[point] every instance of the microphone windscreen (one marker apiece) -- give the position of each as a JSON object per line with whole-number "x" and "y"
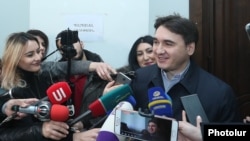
{"x": 59, "y": 92}
{"x": 131, "y": 100}
{"x": 107, "y": 130}
{"x": 107, "y": 136}
{"x": 59, "y": 112}
{"x": 110, "y": 100}
{"x": 159, "y": 102}
{"x": 97, "y": 109}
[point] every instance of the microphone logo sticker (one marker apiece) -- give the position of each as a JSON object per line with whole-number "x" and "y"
{"x": 156, "y": 93}
{"x": 59, "y": 94}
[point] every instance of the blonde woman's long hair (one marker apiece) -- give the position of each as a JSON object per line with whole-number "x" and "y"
{"x": 14, "y": 48}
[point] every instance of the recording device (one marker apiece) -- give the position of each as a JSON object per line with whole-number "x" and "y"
{"x": 59, "y": 92}
{"x": 121, "y": 78}
{"x": 105, "y": 103}
{"x": 247, "y": 28}
{"x": 45, "y": 111}
{"x": 160, "y": 103}
{"x": 167, "y": 129}
{"x": 193, "y": 108}
{"x": 107, "y": 130}
{"x": 68, "y": 38}
{"x": 130, "y": 100}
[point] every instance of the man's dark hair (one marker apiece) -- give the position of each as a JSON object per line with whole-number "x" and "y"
{"x": 67, "y": 37}
{"x": 179, "y": 25}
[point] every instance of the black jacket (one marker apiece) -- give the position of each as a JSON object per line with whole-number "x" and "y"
{"x": 217, "y": 97}
{"x": 30, "y": 128}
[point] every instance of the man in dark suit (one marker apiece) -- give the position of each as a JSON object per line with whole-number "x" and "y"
{"x": 174, "y": 43}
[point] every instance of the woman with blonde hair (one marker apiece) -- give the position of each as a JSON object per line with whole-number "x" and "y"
{"x": 21, "y": 67}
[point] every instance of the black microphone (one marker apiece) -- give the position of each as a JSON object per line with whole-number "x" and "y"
{"x": 247, "y": 28}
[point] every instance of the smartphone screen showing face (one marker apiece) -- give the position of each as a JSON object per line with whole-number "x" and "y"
{"x": 132, "y": 124}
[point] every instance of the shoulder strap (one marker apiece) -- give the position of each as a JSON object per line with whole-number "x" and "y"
{"x": 193, "y": 108}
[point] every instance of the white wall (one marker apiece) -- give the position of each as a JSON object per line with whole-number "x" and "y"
{"x": 14, "y": 16}
{"x": 123, "y": 21}
{"x": 165, "y": 7}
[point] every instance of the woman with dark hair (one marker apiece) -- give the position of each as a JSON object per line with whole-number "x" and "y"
{"x": 140, "y": 55}
{"x": 42, "y": 39}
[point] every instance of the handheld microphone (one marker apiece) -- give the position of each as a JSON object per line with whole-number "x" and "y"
{"x": 107, "y": 130}
{"x": 130, "y": 99}
{"x": 45, "y": 111}
{"x": 105, "y": 103}
{"x": 247, "y": 28}
{"x": 160, "y": 103}
{"x": 57, "y": 93}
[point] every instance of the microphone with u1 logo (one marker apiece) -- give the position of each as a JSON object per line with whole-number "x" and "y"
{"x": 57, "y": 93}
{"x": 44, "y": 109}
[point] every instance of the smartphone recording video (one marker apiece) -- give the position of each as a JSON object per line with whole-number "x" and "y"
{"x": 131, "y": 124}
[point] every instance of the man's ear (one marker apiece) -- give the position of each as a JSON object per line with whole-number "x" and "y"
{"x": 191, "y": 48}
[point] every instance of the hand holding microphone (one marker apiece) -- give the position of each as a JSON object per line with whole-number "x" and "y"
{"x": 107, "y": 102}
{"x": 44, "y": 111}
{"x": 57, "y": 94}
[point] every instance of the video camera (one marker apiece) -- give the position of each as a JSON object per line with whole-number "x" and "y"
{"x": 68, "y": 38}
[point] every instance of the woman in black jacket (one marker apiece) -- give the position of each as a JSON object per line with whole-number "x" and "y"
{"x": 21, "y": 67}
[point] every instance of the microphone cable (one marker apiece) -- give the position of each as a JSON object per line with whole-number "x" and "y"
{"x": 9, "y": 118}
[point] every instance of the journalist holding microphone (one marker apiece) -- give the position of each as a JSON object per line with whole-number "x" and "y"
{"x": 21, "y": 67}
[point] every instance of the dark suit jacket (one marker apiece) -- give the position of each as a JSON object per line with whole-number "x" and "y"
{"x": 217, "y": 97}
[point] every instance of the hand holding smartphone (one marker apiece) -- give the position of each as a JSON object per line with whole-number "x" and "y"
{"x": 122, "y": 79}
{"x": 131, "y": 124}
